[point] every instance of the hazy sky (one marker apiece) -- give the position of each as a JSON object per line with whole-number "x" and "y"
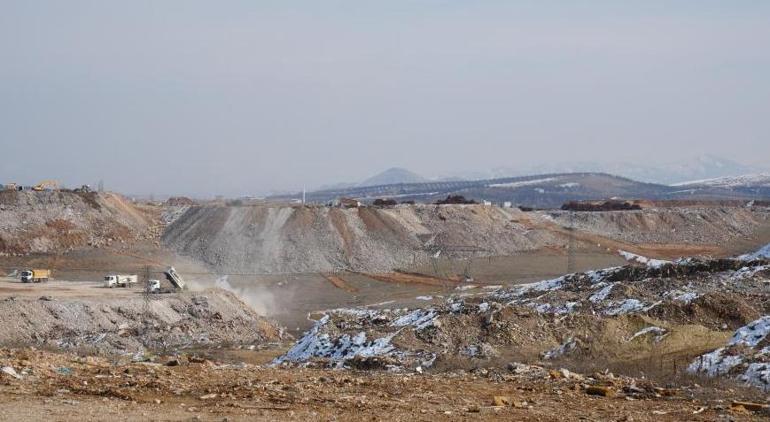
{"x": 204, "y": 97}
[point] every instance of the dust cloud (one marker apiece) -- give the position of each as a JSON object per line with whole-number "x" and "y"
{"x": 257, "y": 297}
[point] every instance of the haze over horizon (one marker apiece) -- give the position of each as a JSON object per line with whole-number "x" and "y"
{"x": 203, "y": 98}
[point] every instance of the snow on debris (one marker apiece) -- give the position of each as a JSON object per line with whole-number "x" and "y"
{"x": 419, "y": 319}
{"x": 565, "y": 348}
{"x": 601, "y": 294}
{"x": 740, "y": 358}
{"x": 686, "y": 297}
{"x": 649, "y": 262}
{"x": 659, "y": 333}
{"x": 321, "y": 342}
{"x": 625, "y": 307}
{"x": 424, "y": 298}
{"x": 751, "y": 334}
{"x": 764, "y": 252}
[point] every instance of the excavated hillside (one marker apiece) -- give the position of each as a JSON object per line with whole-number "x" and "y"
{"x": 59, "y": 221}
{"x": 319, "y": 239}
{"x": 304, "y": 239}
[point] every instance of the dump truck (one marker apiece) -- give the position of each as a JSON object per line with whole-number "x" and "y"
{"x": 35, "y": 276}
{"x": 120, "y": 280}
{"x": 174, "y": 278}
{"x": 153, "y": 286}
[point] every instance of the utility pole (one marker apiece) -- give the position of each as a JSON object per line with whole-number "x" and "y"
{"x": 571, "y": 265}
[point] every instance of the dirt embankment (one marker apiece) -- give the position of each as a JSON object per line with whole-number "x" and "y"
{"x": 303, "y": 239}
{"x": 54, "y": 222}
{"x": 259, "y": 239}
{"x": 129, "y": 325}
{"x": 686, "y": 225}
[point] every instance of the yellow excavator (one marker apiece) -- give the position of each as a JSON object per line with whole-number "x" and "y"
{"x": 46, "y": 185}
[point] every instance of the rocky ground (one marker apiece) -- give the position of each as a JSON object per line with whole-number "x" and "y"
{"x": 37, "y": 385}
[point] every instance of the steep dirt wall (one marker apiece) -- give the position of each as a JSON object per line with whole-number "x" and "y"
{"x": 47, "y": 222}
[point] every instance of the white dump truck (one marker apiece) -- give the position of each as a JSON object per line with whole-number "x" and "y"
{"x": 153, "y": 286}
{"x": 120, "y": 280}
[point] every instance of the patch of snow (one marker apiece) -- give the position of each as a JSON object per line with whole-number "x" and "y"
{"x": 540, "y": 286}
{"x": 757, "y": 374}
{"x": 483, "y": 307}
{"x": 626, "y": 307}
{"x": 419, "y": 319}
{"x": 466, "y": 287}
{"x": 748, "y": 272}
{"x": 547, "y": 308}
{"x": 524, "y": 183}
{"x": 763, "y": 252}
{"x": 686, "y": 297}
{"x": 601, "y": 294}
{"x": 568, "y": 346}
{"x": 660, "y": 332}
{"x": 424, "y": 298}
{"x": 714, "y": 363}
{"x": 751, "y": 334}
{"x": 569, "y": 185}
{"x": 649, "y": 262}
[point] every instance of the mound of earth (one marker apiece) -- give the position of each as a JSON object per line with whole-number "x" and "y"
{"x": 133, "y": 325}
{"x": 621, "y": 314}
{"x": 321, "y": 239}
{"x": 684, "y": 225}
{"x": 59, "y": 221}
{"x": 265, "y": 239}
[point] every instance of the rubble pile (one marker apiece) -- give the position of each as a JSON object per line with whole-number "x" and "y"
{"x": 136, "y": 325}
{"x": 746, "y": 357}
{"x": 683, "y": 225}
{"x": 594, "y": 314}
{"x": 53, "y": 221}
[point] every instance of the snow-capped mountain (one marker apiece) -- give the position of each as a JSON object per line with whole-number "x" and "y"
{"x": 760, "y": 180}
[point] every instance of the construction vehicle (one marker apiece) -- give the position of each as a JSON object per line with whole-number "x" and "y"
{"x": 174, "y": 278}
{"x": 46, "y": 185}
{"x": 120, "y": 280}
{"x": 153, "y": 286}
{"x": 35, "y": 276}
{"x": 12, "y": 186}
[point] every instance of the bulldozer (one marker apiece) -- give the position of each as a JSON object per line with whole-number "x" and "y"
{"x": 46, "y": 185}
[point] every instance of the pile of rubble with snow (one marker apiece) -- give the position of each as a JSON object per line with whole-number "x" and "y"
{"x": 746, "y": 357}
{"x": 540, "y": 319}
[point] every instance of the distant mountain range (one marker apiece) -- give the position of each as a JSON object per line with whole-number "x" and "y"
{"x": 393, "y": 176}
{"x": 539, "y": 191}
{"x": 666, "y": 173}
{"x": 704, "y": 167}
{"x": 760, "y": 180}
